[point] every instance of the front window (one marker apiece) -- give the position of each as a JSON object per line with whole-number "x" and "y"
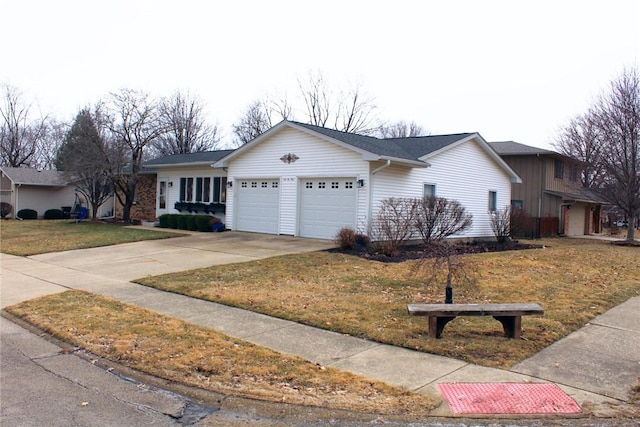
{"x": 220, "y": 189}
{"x": 559, "y": 169}
{"x": 573, "y": 173}
{"x": 186, "y": 189}
{"x": 204, "y": 189}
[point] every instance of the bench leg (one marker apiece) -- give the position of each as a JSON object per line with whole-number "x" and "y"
{"x": 436, "y": 325}
{"x": 512, "y": 325}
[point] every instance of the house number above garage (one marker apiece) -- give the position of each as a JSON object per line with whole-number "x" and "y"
{"x": 289, "y": 158}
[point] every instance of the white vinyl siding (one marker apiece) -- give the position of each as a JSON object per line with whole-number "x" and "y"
{"x": 464, "y": 173}
{"x": 317, "y": 158}
{"x": 42, "y": 198}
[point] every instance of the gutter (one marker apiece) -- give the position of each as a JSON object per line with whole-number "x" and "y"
{"x": 371, "y": 174}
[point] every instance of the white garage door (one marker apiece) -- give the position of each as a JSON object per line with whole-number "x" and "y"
{"x": 326, "y": 206}
{"x": 257, "y": 202}
{"x": 576, "y": 220}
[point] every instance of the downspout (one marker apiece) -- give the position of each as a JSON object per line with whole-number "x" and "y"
{"x": 373, "y": 172}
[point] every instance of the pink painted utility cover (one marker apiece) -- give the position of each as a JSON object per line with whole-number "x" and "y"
{"x": 507, "y": 398}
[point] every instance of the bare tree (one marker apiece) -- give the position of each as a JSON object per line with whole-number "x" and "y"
{"x": 317, "y": 98}
{"x": 355, "y": 111}
{"x": 255, "y": 121}
{"x": 188, "y": 131}
{"x": 580, "y": 140}
{"x": 20, "y": 133}
{"x": 278, "y": 109}
{"x": 83, "y": 159}
{"x": 401, "y": 129}
{"x": 50, "y": 144}
{"x": 617, "y": 117}
{"x": 349, "y": 110}
{"x": 436, "y": 219}
{"x": 135, "y": 124}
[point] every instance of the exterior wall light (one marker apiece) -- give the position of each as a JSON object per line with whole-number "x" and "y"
{"x": 229, "y": 184}
{"x": 360, "y": 183}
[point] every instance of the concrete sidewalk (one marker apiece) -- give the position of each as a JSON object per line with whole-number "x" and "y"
{"x": 596, "y": 365}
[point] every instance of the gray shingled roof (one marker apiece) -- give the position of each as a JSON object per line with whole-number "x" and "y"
{"x": 411, "y": 148}
{"x": 204, "y": 157}
{"x": 28, "y": 176}
{"x": 511, "y": 148}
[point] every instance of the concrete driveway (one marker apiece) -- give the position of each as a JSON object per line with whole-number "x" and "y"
{"x": 129, "y": 261}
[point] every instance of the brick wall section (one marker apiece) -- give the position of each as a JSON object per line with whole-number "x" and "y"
{"x": 145, "y": 207}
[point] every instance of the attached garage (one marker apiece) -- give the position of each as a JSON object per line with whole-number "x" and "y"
{"x": 326, "y": 206}
{"x": 322, "y": 180}
{"x": 577, "y": 216}
{"x": 258, "y": 205}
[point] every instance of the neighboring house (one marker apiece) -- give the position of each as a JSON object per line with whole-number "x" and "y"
{"x": 551, "y": 190}
{"x": 303, "y": 180}
{"x": 40, "y": 190}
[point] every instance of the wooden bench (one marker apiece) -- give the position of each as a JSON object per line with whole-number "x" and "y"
{"x": 508, "y": 314}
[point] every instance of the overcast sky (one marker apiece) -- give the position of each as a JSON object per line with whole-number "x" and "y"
{"x": 510, "y": 70}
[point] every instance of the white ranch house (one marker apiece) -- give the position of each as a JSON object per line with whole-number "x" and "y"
{"x": 304, "y": 180}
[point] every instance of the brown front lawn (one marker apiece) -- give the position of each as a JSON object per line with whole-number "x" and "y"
{"x": 32, "y": 237}
{"x": 178, "y": 351}
{"x": 573, "y": 279}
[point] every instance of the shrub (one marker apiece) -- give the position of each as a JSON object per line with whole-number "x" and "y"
{"x": 392, "y": 226}
{"x": 173, "y": 220}
{"x": 501, "y": 224}
{"x": 362, "y": 239}
{"x": 27, "y": 214}
{"x": 53, "y": 214}
{"x": 346, "y": 238}
{"x": 163, "y": 221}
{"x": 183, "y": 222}
{"x": 191, "y": 223}
{"x": 202, "y": 223}
{"x": 5, "y": 209}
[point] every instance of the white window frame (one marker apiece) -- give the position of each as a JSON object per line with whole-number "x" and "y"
{"x": 424, "y": 190}
{"x": 493, "y": 201}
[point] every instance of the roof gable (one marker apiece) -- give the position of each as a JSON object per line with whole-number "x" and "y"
{"x": 411, "y": 151}
{"x": 403, "y": 150}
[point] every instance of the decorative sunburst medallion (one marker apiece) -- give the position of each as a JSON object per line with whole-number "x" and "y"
{"x": 289, "y": 158}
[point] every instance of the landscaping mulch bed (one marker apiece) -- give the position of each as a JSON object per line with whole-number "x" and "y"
{"x": 416, "y": 251}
